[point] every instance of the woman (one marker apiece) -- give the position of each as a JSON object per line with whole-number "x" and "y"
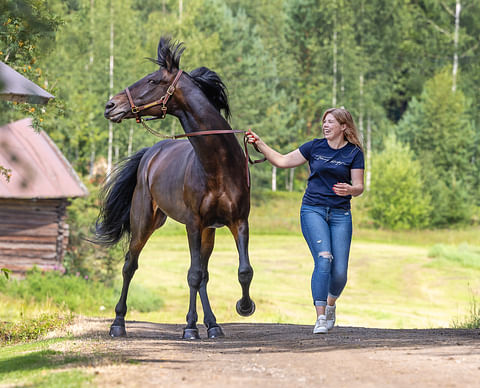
{"x": 336, "y": 174}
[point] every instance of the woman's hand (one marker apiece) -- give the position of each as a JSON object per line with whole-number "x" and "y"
{"x": 252, "y": 137}
{"x": 342, "y": 189}
{"x": 292, "y": 159}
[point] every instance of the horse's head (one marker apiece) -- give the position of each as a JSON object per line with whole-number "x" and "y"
{"x": 150, "y": 88}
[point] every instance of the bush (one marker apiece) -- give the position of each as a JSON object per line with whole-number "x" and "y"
{"x": 396, "y": 199}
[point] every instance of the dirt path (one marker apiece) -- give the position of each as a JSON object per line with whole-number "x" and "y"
{"x": 280, "y": 355}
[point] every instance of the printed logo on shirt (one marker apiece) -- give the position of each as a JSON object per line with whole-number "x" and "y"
{"x": 328, "y": 160}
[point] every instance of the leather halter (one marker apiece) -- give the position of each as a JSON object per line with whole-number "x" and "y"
{"x": 162, "y": 101}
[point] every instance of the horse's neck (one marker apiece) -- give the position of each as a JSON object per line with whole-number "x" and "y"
{"x": 215, "y": 152}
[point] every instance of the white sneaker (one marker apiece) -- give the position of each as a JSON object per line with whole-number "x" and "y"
{"x": 330, "y": 316}
{"x": 320, "y": 325}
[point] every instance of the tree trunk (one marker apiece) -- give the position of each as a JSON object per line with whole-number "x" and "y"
{"x": 130, "y": 141}
{"x": 274, "y": 178}
{"x": 110, "y": 126}
{"x": 334, "y": 84}
{"x": 369, "y": 155}
{"x": 291, "y": 173}
{"x": 360, "y": 103}
{"x": 458, "y": 8}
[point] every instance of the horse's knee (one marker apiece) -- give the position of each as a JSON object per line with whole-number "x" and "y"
{"x": 130, "y": 266}
{"x": 194, "y": 278}
{"x": 245, "y": 274}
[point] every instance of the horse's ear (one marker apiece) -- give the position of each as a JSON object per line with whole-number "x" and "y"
{"x": 168, "y": 54}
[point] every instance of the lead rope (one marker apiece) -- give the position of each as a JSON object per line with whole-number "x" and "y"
{"x": 213, "y": 132}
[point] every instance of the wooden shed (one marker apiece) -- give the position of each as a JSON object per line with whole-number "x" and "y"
{"x": 33, "y": 228}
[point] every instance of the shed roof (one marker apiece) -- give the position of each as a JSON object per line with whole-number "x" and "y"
{"x": 39, "y": 170}
{"x": 15, "y": 87}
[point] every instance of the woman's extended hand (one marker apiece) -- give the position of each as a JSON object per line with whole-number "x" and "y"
{"x": 342, "y": 189}
{"x": 252, "y": 137}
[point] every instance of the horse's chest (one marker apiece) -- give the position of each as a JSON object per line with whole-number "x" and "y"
{"x": 218, "y": 210}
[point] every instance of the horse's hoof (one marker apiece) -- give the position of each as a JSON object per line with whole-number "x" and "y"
{"x": 117, "y": 331}
{"x": 215, "y": 332}
{"x": 245, "y": 312}
{"x": 190, "y": 334}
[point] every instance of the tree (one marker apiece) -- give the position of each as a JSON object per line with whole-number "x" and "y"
{"x": 438, "y": 130}
{"x": 396, "y": 199}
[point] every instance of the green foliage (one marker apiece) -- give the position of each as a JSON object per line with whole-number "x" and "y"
{"x": 32, "y": 329}
{"x": 472, "y": 321}
{"x": 6, "y": 272}
{"x": 437, "y": 128}
{"x": 396, "y": 198}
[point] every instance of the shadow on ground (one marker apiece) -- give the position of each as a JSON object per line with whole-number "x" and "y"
{"x": 271, "y": 337}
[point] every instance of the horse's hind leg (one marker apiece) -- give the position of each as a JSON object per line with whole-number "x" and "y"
{"x": 143, "y": 223}
{"x": 208, "y": 240}
{"x": 245, "y": 306}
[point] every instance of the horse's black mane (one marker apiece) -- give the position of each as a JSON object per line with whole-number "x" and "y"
{"x": 168, "y": 57}
{"x": 213, "y": 87}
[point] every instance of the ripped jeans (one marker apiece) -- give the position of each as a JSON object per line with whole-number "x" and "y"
{"x": 328, "y": 232}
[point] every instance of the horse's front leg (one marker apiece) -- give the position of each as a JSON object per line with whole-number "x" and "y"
{"x": 245, "y": 306}
{"x": 208, "y": 241}
{"x": 194, "y": 279}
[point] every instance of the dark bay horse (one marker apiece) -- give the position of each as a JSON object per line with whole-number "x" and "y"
{"x": 200, "y": 182}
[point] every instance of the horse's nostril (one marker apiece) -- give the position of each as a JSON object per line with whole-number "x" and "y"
{"x": 110, "y": 105}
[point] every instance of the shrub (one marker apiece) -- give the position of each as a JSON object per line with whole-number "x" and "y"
{"x": 396, "y": 199}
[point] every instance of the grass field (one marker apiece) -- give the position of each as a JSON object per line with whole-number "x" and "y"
{"x": 393, "y": 281}
{"x": 390, "y": 285}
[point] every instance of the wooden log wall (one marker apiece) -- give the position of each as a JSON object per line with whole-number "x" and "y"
{"x": 32, "y": 232}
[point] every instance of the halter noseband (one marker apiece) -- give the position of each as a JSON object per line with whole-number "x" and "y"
{"x": 162, "y": 101}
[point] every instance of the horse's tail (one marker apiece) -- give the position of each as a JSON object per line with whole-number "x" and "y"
{"x": 116, "y": 197}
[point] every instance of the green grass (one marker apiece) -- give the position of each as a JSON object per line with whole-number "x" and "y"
{"x": 390, "y": 286}
{"x": 38, "y": 365}
{"x": 56, "y": 293}
{"x": 31, "y": 329}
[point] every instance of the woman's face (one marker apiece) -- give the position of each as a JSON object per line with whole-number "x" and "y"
{"x": 332, "y": 129}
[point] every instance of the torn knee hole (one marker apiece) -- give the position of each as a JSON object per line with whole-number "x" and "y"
{"x": 326, "y": 255}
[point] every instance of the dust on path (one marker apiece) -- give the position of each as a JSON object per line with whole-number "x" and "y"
{"x": 279, "y": 355}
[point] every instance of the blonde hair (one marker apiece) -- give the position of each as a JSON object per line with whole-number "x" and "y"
{"x": 343, "y": 116}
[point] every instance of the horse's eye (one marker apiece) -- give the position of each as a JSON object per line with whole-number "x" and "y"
{"x": 152, "y": 81}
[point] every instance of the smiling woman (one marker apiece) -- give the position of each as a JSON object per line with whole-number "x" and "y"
{"x": 336, "y": 174}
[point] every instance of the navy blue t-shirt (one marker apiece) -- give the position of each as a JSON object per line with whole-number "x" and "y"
{"x": 327, "y": 167}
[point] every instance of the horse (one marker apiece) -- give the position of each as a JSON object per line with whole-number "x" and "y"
{"x": 201, "y": 182}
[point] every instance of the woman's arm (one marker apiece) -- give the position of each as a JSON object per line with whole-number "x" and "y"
{"x": 355, "y": 189}
{"x": 292, "y": 159}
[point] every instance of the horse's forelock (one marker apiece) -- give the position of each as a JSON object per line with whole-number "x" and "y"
{"x": 169, "y": 53}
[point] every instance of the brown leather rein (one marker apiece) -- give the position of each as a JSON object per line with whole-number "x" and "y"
{"x": 163, "y": 102}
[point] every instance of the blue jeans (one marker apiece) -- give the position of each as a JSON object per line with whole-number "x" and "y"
{"x": 328, "y": 232}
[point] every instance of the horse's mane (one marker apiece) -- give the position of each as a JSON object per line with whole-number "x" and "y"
{"x": 213, "y": 87}
{"x": 168, "y": 57}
